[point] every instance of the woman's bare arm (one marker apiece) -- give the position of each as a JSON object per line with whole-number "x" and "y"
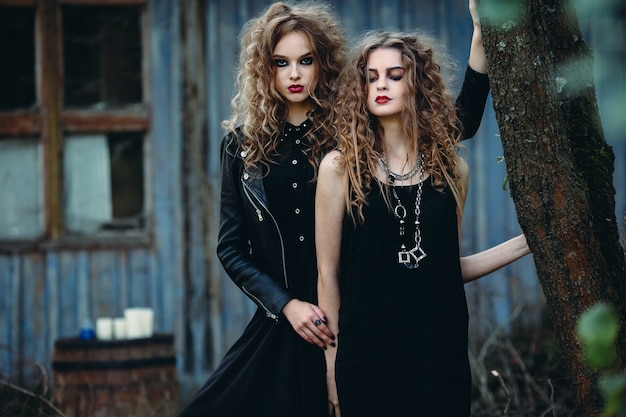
{"x": 482, "y": 263}
{"x": 329, "y": 213}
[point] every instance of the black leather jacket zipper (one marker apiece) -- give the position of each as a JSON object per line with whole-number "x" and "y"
{"x": 268, "y": 313}
{"x": 248, "y": 191}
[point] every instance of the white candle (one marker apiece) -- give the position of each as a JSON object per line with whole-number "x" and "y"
{"x": 104, "y": 328}
{"x": 133, "y": 323}
{"x": 139, "y": 322}
{"x": 147, "y": 322}
{"x": 119, "y": 328}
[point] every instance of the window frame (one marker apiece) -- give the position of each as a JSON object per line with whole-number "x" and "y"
{"x": 50, "y": 122}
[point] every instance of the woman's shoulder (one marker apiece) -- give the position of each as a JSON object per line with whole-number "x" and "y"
{"x": 462, "y": 166}
{"x": 332, "y": 158}
{"x": 331, "y": 166}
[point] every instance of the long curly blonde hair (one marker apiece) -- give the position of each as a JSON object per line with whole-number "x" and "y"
{"x": 430, "y": 121}
{"x": 259, "y": 110}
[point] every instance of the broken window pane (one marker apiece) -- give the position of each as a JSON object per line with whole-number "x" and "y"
{"x": 102, "y": 56}
{"x": 87, "y": 183}
{"x": 104, "y": 182}
{"x": 17, "y": 53}
{"x": 22, "y": 201}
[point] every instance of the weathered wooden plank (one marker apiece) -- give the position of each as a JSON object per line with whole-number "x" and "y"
{"x": 158, "y": 297}
{"x": 104, "y": 279}
{"x": 9, "y": 324}
{"x": 30, "y": 312}
{"x": 138, "y": 280}
{"x": 131, "y": 120}
{"x": 36, "y": 303}
{"x": 104, "y": 2}
{"x": 215, "y": 132}
{"x": 67, "y": 293}
{"x": 15, "y": 320}
{"x": 195, "y": 192}
{"x": 20, "y": 124}
{"x": 48, "y": 31}
{"x": 52, "y": 295}
{"x": 83, "y": 300}
{"x": 165, "y": 164}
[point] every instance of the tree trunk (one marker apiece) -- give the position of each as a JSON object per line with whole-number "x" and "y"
{"x": 559, "y": 167}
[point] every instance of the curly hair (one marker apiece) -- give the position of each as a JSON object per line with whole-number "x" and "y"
{"x": 258, "y": 109}
{"x": 430, "y": 118}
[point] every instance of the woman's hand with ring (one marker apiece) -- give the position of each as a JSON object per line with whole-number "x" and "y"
{"x": 309, "y": 321}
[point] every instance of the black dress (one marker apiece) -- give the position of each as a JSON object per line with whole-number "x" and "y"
{"x": 270, "y": 371}
{"x": 402, "y": 347}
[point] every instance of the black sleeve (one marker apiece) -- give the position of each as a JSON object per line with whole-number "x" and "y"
{"x": 470, "y": 104}
{"x": 233, "y": 249}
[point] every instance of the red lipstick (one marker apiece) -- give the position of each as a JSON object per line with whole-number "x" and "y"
{"x": 296, "y": 88}
{"x": 382, "y": 99}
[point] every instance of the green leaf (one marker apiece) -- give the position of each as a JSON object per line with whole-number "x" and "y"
{"x": 597, "y": 329}
{"x": 600, "y": 356}
{"x": 613, "y": 388}
{"x": 598, "y": 324}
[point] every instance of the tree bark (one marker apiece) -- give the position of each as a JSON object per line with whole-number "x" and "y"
{"x": 559, "y": 166}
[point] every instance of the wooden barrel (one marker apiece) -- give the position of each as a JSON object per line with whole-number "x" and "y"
{"x": 130, "y": 378}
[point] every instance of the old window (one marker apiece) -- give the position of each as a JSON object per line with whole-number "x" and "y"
{"x": 101, "y": 56}
{"x": 21, "y": 204}
{"x": 17, "y": 49}
{"x": 73, "y": 120}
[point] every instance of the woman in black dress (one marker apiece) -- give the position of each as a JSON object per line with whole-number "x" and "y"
{"x": 282, "y": 125}
{"x": 388, "y": 209}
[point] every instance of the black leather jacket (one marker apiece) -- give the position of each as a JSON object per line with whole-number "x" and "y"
{"x": 250, "y": 243}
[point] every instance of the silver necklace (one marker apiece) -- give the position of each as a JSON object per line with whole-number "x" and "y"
{"x": 392, "y": 176}
{"x": 410, "y": 258}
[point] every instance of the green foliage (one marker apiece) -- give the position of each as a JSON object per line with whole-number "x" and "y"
{"x": 503, "y": 13}
{"x": 613, "y": 388}
{"x": 597, "y": 329}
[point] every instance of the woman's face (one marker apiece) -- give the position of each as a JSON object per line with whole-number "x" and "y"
{"x": 294, "y": 69}
{"x": 386, "y": 86}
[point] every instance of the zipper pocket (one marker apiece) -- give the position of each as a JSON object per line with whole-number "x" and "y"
{"x": 258, "y": 211}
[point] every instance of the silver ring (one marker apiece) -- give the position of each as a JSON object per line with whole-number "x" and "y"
{"x": 317, "y": 322}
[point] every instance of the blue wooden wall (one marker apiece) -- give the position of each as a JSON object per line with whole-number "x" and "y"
{"x": 45, "y": 293}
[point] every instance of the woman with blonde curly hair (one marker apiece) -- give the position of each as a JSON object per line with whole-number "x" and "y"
{"x": 388, "y": 213}
{"x": 282, "y": 124}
